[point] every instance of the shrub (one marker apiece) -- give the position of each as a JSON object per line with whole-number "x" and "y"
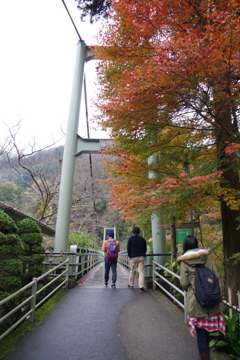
{"x": 11, "y": 250}
{"x": 14, "y": 272}
{"x": 32, "y": 238}
{"x": 36, "y": 270}
{"x": 12, "y": 302}
{"x": 2, "y": 238}
{"x": 230, "y": 342}
{"x": 25, "y": 260}
{"x": 26, "y": 248}
{"x": 5, "y": 249}
{"x": 38, "y": 249}
{"x": 9, "y": 282}
{"x": 7, "y": 225}
{"x": 38, "y": 258}
{"x": 11, "y": 267}
{"x": 13, "y": 239}
{"x": 27, "y": 226}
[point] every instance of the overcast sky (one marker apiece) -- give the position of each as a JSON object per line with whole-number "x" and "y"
{"x": 38, "y": 48}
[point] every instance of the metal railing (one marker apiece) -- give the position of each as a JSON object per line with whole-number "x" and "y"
{"x": 124, "y": 260}
{"x": 71, "y": 264}
{"x": 31, "y": 301}
{"x": 81, "y": 260}
{"x": 77, "y": 264}
{"x": 156, "y": 267}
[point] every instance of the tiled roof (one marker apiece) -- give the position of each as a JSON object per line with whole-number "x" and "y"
{"x": 18, "y": 215}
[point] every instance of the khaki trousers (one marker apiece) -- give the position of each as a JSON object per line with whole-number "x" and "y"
{"x": 135, "y": 263}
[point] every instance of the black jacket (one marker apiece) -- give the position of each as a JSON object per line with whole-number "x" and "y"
{"x": 136, "y": 246}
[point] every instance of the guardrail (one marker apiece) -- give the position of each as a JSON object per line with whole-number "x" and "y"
{"x": 157, "y": 266}
{"x": 123, "y": 259}
{"x": 81, "y": 260}
{"x": 76, "y": 264}
{"x": 33, "y": 298}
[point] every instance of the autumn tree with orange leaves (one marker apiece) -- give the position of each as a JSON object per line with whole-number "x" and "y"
{"x": 169, "y": 80}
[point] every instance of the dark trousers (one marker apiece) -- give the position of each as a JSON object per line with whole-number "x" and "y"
{"x": 203, "y": 340}
{"x": 113, "y": 265}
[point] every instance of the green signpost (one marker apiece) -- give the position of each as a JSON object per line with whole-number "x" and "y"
{"x": 181, "y": 234}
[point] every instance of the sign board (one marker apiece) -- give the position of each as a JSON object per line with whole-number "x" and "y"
{"x": 181, "y": 234}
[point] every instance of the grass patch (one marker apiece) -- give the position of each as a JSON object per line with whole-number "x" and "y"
{"x": 10, "y": 342}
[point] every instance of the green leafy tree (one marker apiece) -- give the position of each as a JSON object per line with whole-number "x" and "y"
{"x": 81, "y": 240}
{"x": 9, "y": 191}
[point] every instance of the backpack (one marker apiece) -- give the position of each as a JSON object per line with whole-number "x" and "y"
{"x": 112, "y": 251}
{"x": 207, "y": 289}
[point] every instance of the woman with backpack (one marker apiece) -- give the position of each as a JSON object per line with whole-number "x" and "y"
{"x": 205, "y": 318}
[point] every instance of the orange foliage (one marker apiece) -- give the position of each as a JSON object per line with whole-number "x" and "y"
{"x": 167, "y": 71}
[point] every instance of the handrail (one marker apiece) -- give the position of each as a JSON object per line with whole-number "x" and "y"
{"x": 86, "y": 259}
{"x": 124, "y": 259}
{"x": 94, "y": 257}
{"x": 183, "y": 305}
{"x": 156, "y": 265}
{"x": 33, "y": 298}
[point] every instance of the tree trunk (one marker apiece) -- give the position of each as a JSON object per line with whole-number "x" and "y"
{"x": 231, "y": 245}
{"x": 225, "y": 131}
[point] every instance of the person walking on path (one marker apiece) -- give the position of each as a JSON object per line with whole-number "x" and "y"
{"x": 205, "y": 319}
{"x": 136, "y": 248}
{"x": 111, "y": 248}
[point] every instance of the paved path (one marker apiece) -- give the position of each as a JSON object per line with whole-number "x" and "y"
{"x": 97, "y": 323}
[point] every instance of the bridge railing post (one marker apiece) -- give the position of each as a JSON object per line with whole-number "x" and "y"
{"x": 33, "y": 301}
{"x": 185, "y": 306}
{"x": 154, "y": 275}
{"x": 67, "y": 274}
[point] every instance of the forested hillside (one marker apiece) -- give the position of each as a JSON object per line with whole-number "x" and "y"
{"x": 31, "y": 184}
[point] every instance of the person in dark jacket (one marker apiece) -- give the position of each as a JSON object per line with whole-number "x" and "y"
{"x": 136, "y": 248}
{"x": 205, "y": 319}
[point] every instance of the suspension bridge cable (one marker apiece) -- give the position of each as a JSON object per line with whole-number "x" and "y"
{"x": 88, "y": 134}
{"x": 79, "y": 36}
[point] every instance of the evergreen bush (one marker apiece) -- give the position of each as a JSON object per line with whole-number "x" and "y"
{"x": 33, "y": 253}
{"x": 10, "y": 282}
{"x": 2, "y": 238}
{"x": 11, "y": 245}
{"x": 11, "y": 250}
{"x": 28, "y": 226}
{"x": 32, "y": 239}
{"x": 21, "y": 259}
{"x": 12, "y": 239}
{"x": 7, "y": 225}
{"x": 11, "y": 303}
{"x": 11, "y": 267}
